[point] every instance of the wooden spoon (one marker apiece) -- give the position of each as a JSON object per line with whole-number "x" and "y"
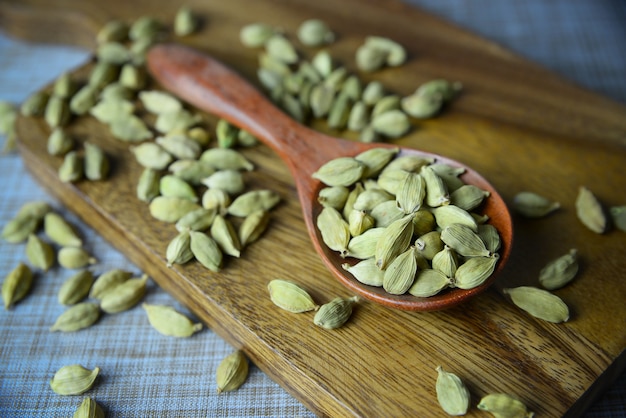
{"x": 209, "y": 85}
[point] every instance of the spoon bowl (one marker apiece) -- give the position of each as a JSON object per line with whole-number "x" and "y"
{"x": 209, "y": 85}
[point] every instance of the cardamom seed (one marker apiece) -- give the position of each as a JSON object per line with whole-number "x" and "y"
{"x": 366, "y": 272}
{"x": 223, "y": 232}
{"x": 75, "y": 288}
{"x": 39, "y": 253}
{"x": 428, "y": 282}
{"x": 560, "y": 271}
{"x": 503, "y": 405}
{"x": 452, "y": 394}
{"x": 315, "y": 32}
{"x": 171, "y": 209}
{"x": 232, "y": 372}
{"x": 342, "y": 171}
{"x": 400, "y": 273}
{"x": 80, "y": 316}
{"x": 170, "y": 322}
{"x": 88, "y": 409}
{"x": 16, "y": 285}
{"x": 255, "y": 35}
{"x": 395, "y": 240}
{"x": 334, "y": 229}
{"x": 475, "y": 271}
{"x": 124, "y": 296}
{"x": 253, "y": 227}
{"x": 533, "y": 205}
{"x": 290, "y": 296}
{"x": 206, "y": 250}
{"x": 60, "y": 231}
{"x": 539, "y": 303}
{"x": 107, "y": 281}
{"x": 179, "y": 249}
{"x": 590, "y": 211}
{"x": 74, "y": 258}
{"x": 335, "y": 313}
{"x": 73, "y": 379}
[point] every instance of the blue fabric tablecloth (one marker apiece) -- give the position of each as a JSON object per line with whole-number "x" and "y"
{"x": 145, "y": 374}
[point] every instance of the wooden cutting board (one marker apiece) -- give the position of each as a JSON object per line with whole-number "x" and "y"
{"x": 520, "y": 126}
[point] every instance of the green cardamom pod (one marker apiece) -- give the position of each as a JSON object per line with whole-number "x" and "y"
{"x": 180, "y": 146}
{"x": 57, "y": 112}
{"x": 25, "y": 222}
{"x": 428, "y": 282}
{"x": 359, "y": 221}
{"x": 503, "y": 405}
{"x": 111, "y": 110}
{"x": 96, "y": 162}
{"x": 396, "y": 53}
{"x": 102, "y": 74}
{"x": 366, "y": 272}
{"x": 363, "y": 246}
{"x": 113, "y": 30}
{"x": 255, "y": 35}
{"x": 369, "y": 199}
{"x": 369, "y": 58}
{"x": 335, "y": 313}
{"x": 423, "y": 222}
{"x": 539, "y": 303}
{"x": 475, "y": 271}
{"x": 116, "y": 91}
{"x": 339, "y": 112}
{"x": 352, "y": 197}
{"x": 216, "y": 199}
{"x": 452, "y": 394}
{"x": 170, "y": 208}
{"x": 290, "y": 296}
{"x": 232, "y": 372}
{"x": 468, "y": 197}
{"x": 64, "y": 87}
{"x": 206, "y": 250}
{"x": 436, "y": 190}
{"x": 59, "y": 142}
{"x": 422, "y": 106}
{"x": 394, "y": 241}
{"x": 533, "y": 205}
{"x": 72, "y": 168}
{"x": 16, "y": 285}
{"x": 359, "y": 117}
{"x": 145, "y": 27}
{"x": 35, "y": 104}
{"x": 192, "y": 171}
{"x": 315, "y": 32}
{"x": 60, "y": 231}
{"x": 39, "y": 253}
{"x": 411, "y": 195}
{"x": 392, "y": 123}
{"x": 410, "y": 163}
{"x": 280, "y": 48}
{"x": 107, "y": 281}
{"x": 148, "y": 185}
{"x": 253, "y": 201}
{"x": 173, "y": 186}
{"x": 385, "y": 104}
{"x": 343, "y": 171}
{"x": 489, "y": 235}
{"x": 75, "y": 288}
{"x": 179, "y": 249}
{"x": 334, "y": 196}
{"x": 152, "y": 155}
{"x": 253, "y": 227}
{"x": 446, "y": 261}
{"x": 560, "y": 271}
{"x": 590, "y": 211}
{"x": 185, "y": 22}
{"x": 124, "y": 296}
{"x": 88, "y": 409}
{"x": 451, "y": 214}
{"x": 429, "y": 244}
{"x": 74, "y": 258}
{"x": 83, "y": 100}
{"x": 226, "y": 134}
{"x": 73, "y": 379}
{"x": 334, "y": 229}
{"x": 196, "y": 220}
{"x": 400, "y": 273}
{"x": 113, "y": 52}
{"x": 170, "y": 322}
{"x": 155, "y": 101}
{"x": 77, "y": 317}
{"x": 231, "y": 181}
{"x": 463, "y": 240}
{"x": 224, "y": 233}
{"x": 618, "y": 214}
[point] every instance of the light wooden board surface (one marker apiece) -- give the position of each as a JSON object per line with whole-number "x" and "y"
{"x": 518, "y": 125}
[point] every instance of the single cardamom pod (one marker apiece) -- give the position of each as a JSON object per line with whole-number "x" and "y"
{"x": 475, "y": 271}
{"x": 231, "y": 181}
{"x": 171, "y": 209}
{"x": 396, "y": 54}
{"x": 88, "y": 409}
{"x": 180, "y": 146}
{"x": 400, "y": 273}
{"x": 224, "y": 233}
{"x": 335, "y": 313}
{"x": 423, "y": 222}
{"x": 359, "y": 221}
{"x": 290, "y": 296}
{"x": 246, "y": 139}
{"x": 57, "y": 112}
{"x": 429, "y": 244}
{"x": 533, "y": 205}
{"x": 253, "y": 227}
{"x": 148, "y": 185}
{"x": 366, "y": 272}
{"x": 39, "y": 253}
{"x": 452, "y": 393}
{"x": 539, "y": 303}
{"x": 428, "y": 282}
{"x": 410, "y": 163}
{"x": 75, "y": 288}
{"x": 196, "y": 220}
{"x": 35, "y": 104}
{"x": 124, "y": 296}
{"x": 334, "y": 229}
{"x": 590, "y": 211}
{"x": 359, "y": 116}
{"x": 179, "y": 249}
{"x": 370, "y": 59}
{"x": 387, "y": 212}
{"x": 364, "y": 246}
{"x": 152, "y": 155}
{"x": 489, "y": 235}
{"x": 446, "y": 89}
{"x": 59, "y": 142}
{"x": 226, "y": 134}
{"x": 102, "y": 74}
{"x": 116, "y": 91}
{"x": 77, "y": 317}
{"x": 560, "y": 271}
{"x": 334, "y": 196}
{"x": 96, "y": 162}
{"x": 206, "y": 250}
{"x": 145, "y": 27}
{"x": 323, "y": 63}
{"x": 73, "y": 379}
{"x": 446, "y": 261}
{"x": 60, "y": 231}
{"x": 503, "y": 405}
{"x": 315, "y": 32}
{"x": 451, "y": 214}
{"x": 618, "y": 214}
{"x": 352, "y": 197}
{"x": 232, "y": 372}
{"x": 411, "y": 195}
{"x": 16, "y": 285}
{"x": 394, "y": 241}
{"x": 74, "y": 258}
{"x": 83, "y": 100}
{"x": 112, "y": 109}
{"x": 280, "y": 48}
{"x": 113, "y": 52}
{"x": 107, "y": 281}
{"x": 71, "y": 168}
{"x": 173, "y": 186}
{"x": 392, "y": 124}
{"x": 185, "y": 22}
{"x": 155, "y": 101}
{"x": 253, "y": 201}
{"x": 192, "y": 171}
{"x": 170, "y": 322}
{"x": 255, "y": 35}
{"x": 369, "y": 199}
{"x": 463, "y": 240}
{"x": 200, "y": 135}
{"x": 422, "y": 106}
{"x": 20, "y": 227}
{"x": 468, "y": 197}
{"x": 436, "y": 190}
{"x": 385, "y": 104}
{"x": 343, "y": 171}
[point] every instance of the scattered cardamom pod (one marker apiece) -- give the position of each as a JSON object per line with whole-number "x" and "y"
{"x": 152, "y": 155}
{"x": 72, "y": 168}
{"x": 255, "y": 35}
{"x": 80, "y": 316}
{"x": 73, "y": 379}
{"x": 253, "y": 226}
{"x": 60, "y": 231}
{"x": 179, "y": 249}
{"x": 16, "y": 285}
{"x": 618, "y": 214}
{"x": 74, "y": 258}
{"x": 197, "y": 220}
{"x": 25, "y": 222}
{"x": 59, "y": 142}
{"x": 539, "y": 303}
{"x": 96, "y": 162}
{"x": 253, "y": 201}
{"x": 560, "y": 271}
{"x": 170, "y": 208}
{"x": 39, "y": 253}
{"x": 170, "y": 322}
{"x": 315, "y": 32}
{"x": 533, "y": 205}
{"x": 232, "y": 372}
{"x": 88, "y": 409}
{"x": 335, "y": 313}
{"x": 206, "y": 250}
{"x": 502, "y": 405}
{"x": 590, "y": 211}
{"x": 35, "y": 104}
{"x": 107, "y": 281}
{"x": 452, "y": 393}
{"x": 290, "y": 296}
{"x": 75, "y": 288}
{"x": 185, "y": 22}
{"x": 124, "y": 296}
{"x": 148, "y": 185}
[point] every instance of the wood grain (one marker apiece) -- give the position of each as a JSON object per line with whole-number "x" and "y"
{"x": 520, "y": 126}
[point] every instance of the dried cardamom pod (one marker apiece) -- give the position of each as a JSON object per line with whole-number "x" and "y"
{"x": 196, "y": 220}
{"x": 323, "y": 63}
{"x": 400, "y": 273}
{"x": 59, "y": 142}
{"x": 334, "y": 196}
{"x": 590, "y": 211}
{"x": 429, "y": 244}
{"x": 280, "y": 48}
{"x": 226, "y": 159}
{"x": 369, "y": 199}
{"x": 436, "y": 190}
{"x": 422, "y": 106}
{"x": 113, "y": 52}
{"x": 468, "y": 197}
{"x": 75, "y": 288}
{"x": 185, "y": 22}
{"x": 155, "y": 101}
{"x": 192, "y": 171}
{"x": 206, "y": 250}
{"x": 339, "y": 112}
{"x": 179, "y": 249}
{"x": 539, "y": 303}
{"x": 451, "y": 214}
{"x": 74, "y": 258}
{"x": 253, "y": 201}
{"x": 73, "y": 379}
{"x": 88, "y": 409}
{"x": 35, "y": 104}
{"x": 475, "y": 271}
{"x": 489, "y": 235}
{"x": 364, "y": 246}
{"x": 39, "y": 253}
{"x": 335, "y": 313}
{"x": 385, "y": 104}
{"x": 148, "y": 185}
{"x": 352, "y": 197}
{"x": 253, "y": 226}
{"x": 315, "y": 32}
{"x": 533, "y": 205}
{"x": 410, "y": 163}
{"x": 618, "y": 213}
{"x": 463, "y": 240}
{"x": 25, "y": 222}
{"x": 255, "y": 35}
{"x": 216, "y": 199}
{"x": 173, "y": 186}
{"x": 428, "y": 282}
{"x": 170, "y": 322}
{"x": 116, "y": 92}
{"x": 392, "y": 124}
{"x": 503, "y": 405}
{"x": 224, "y": 233}
{"x": 124, "y": 296}
{"x": 102, "y": 74}
{"x": 112, "y": 109}
{"x": 96, "y": 162}
{"x": 130, "y": 128}
{"x": 64, "y": 87}
{"x": 359, "y": 116}
{"x": 370, "y": 59}
{"x": 145, "y": 27}
{"x": 16, "y": 285}
{"x": 343, "y": 171}
{"x": 226, "y": 134}
{"x": 79, "y": 316}
{"x": 171, "y": 209}
{"x": 60, "y": 231}
{"x": 423, "y": 222}
{"x": 151, "y": 155}
{"x": 394, "y": 241}
{"x": 560, "y": 271}
{"x": 411, "y": 195}
{"x": 71, "y": 169}
{"x": 334, "y": 229}
{"x": 373, "y": 92}
{"x": 446, "y": 261}
{"x": 232, "y": 372}
{"x": 290, "y": 296}
{"x": 180, "y": 146}
{"x": 359, "y": 221}
{"x": 396, "y": 54}
{"x": 452, "y": 393}
{"x": 83, "y": 100}
{"x": 107, "y": 281}
{"x": 366, "y": 272}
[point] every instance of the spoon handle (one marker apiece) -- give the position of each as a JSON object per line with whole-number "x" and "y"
{"x": 211, "y": 86}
